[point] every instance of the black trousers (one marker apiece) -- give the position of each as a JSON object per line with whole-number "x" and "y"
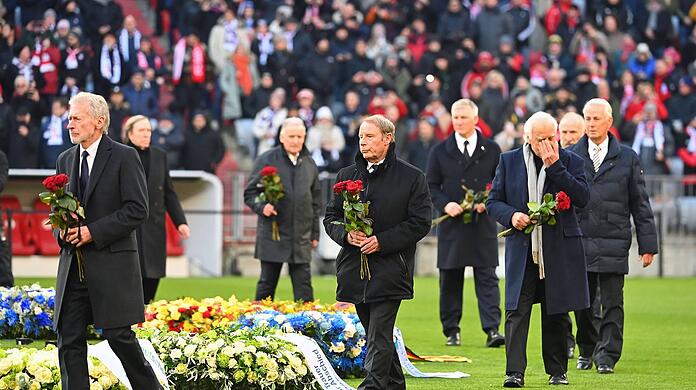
{"x": 76, "y": 314}
{"x": 381, "y": 362}
{"x": 596, "y": 308}
{"x": 603, "y": 343}
{"x": 451, "y": 298}
{"x": 553, "y": 328}
{"x": 150, "y": 289}
{"x": 300, "y": 275}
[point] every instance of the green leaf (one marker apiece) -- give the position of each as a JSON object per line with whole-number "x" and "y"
{"x": 358, "y": 207}
{"x": 466, "y": 218}
{"x": 368, "y": 230}
{"x": 533, "y": 206}
{"x": 529, "y": 229}
{"x": 552, "y": 221}
{"x": 548, "y": 198}
{"x": 45, "y": 197}
{"x": 544, "y": 212}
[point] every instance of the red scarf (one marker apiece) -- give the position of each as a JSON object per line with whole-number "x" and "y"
{"x": 197, "y": 62}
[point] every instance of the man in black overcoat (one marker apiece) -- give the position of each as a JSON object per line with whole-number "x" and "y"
{"x": 297, "y": 213}
{"x": 617, "y": 192}
{"x": 465, "y": 160}
{"x": 401, "y": 209}
{"x": 162, "y": 200}
{"x": 108, "y": 179}
{"x": 548, "y": 265}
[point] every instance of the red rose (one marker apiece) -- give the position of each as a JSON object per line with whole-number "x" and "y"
{"x": 269, "y": 170}
{"x": 339, "y": 187}
{"x": 489, "y": 186}
{"x": 562, "y": 201}
{"x": 183, "y": 310}
{"x": 55, "y": 182}
{"x": 354, "y": 187}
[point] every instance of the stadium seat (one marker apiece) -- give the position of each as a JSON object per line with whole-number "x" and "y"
{"x": 46, "y": 244}
{"x": 174, "y": 245}
{"x": 22, "y": 238}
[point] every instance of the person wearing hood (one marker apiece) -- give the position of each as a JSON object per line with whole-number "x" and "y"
{"x": 325, "y": 142}
{"x": 297, "y": 213}
{"x": 152, "y": 235}
{"x": 401, "y": 211}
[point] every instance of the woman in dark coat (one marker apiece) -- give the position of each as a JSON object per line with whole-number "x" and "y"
{"x": 152, "y": 235}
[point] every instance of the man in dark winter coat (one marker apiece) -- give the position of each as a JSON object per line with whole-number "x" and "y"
{"x": 548, "y": 265}
{"x": 465, "y": 160}
{"x": 297, "y": 213}
{"x": 617, "y": 192}
{"x": 400, "y": 207}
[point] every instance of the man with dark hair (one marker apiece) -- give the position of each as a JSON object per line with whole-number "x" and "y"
{"x": 400, "y": 208}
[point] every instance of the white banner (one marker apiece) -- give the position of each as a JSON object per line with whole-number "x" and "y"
{"x": 103, "y": 352}
{"x": 412, "y": 370}
{"x": 318, "y": 363}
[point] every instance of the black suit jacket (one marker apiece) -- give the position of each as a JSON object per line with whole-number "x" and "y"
{"x": 152, "y": 235}
{"x": 459, "y": 245}
{"x": 115, "y": 203}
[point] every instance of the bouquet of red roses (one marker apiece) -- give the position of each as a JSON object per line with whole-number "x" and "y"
{"x": 66, "y": 211}
{"x": 471, "y": 199}
{"x": 355, "y": 215}
{"x": 272, "y": 193}
{"x": 544, "y": 213}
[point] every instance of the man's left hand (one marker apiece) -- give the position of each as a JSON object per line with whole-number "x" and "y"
{"x": 370, "y": 245}
{"x": 85, "y": 237}
{"x": 480, "y": 208}
{"x": 549, "y": 152}
{"x": 315, "y": 243}
{"x": 184, "y": 231}
{"x": 647, "y": 259}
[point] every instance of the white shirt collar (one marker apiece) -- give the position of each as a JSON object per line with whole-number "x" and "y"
{"x": 293, "y": 158}
{"x": 92, "y": 149}
{"x": 603, "y": 148}
{"x": 471, "y": 147}
{"x": 370, "y": 165}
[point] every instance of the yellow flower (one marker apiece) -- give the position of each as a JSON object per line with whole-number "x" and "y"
{"x": 181, "y": 368}
{"x": 106, "y": 382}
{"x": 338, "y": 347}
{"x": 95, "y": 386}
{"x": 271, "y": 375}
{"x": 355, "y": 351}
{"x": 5, "y": 365}
{"x": 252, "y": 377}
{"x": 44, "y": 375}
{"x": 302, "y": 370}
{"x": 34, "y": 385}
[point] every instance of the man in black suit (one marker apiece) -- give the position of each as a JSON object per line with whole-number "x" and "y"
{"x": 465, "y": 159}
{"x": 617, "y": 192}
{"x": 152, "y": 235}
{"x": 108, "y": 179}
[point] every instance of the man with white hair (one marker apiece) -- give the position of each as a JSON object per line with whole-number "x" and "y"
{"x": 297, "y": 214}
{"x": 572, "y": 128}
{"x": 104, "y": 286}
{"x": 550, "y": 271}
{"x": 618, "y": 192}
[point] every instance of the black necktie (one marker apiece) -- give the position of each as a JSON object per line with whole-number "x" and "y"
{"x": 84, "y": 175}
{"x": 465, "y": 152}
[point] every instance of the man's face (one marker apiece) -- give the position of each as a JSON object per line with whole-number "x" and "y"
{"x": 373, "y": 144}
{"x": 57, "y": 109}
{"x": 141, "y": 134}
{"x": 543, "y": 132}
{"x": 464, "y": 121}
{"x": 292, "y": 137}
{"x": 199, "y": 122}
{"x": 597, "y": 123}
{"x": 571, "y": 130}
{"x": 83, "y": 128}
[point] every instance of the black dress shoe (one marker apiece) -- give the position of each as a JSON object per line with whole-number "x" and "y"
{"x": 453, "y": 340}
{"x": 605, "y": 369}
{"x": 514, "y": 379}
{"x": 558, "y": 379}
{"x": 571, "y": 352}
{"x": 584, "y": 363}
{"x": 495, "y": 339}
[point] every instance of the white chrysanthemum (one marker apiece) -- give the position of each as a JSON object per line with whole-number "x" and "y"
{"x": 176, "y": 354}
{"x": 190, "y": 350}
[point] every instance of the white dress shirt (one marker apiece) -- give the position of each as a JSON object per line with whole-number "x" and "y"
{"x": 293, "y": 158}
{"x": 92, "y": 150}
{"x": 471, "y": 147}
{"x": 371, "y": 166}
{"x": 603, "y": 149}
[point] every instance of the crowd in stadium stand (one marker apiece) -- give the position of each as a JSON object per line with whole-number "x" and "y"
{"x": 243, "y": 66}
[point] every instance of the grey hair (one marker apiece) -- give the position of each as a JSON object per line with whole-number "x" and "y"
{"x": 292, "y": 121}
{"x": 599, "y": 102}
{"x": 573, "y": 116}
{"x": 465, "y": 103}
{"x": 382, "y": 123}
{"x": 97, "y": 107}
{"x": 537, "y": 117}
{"x": 130, "y": 124}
